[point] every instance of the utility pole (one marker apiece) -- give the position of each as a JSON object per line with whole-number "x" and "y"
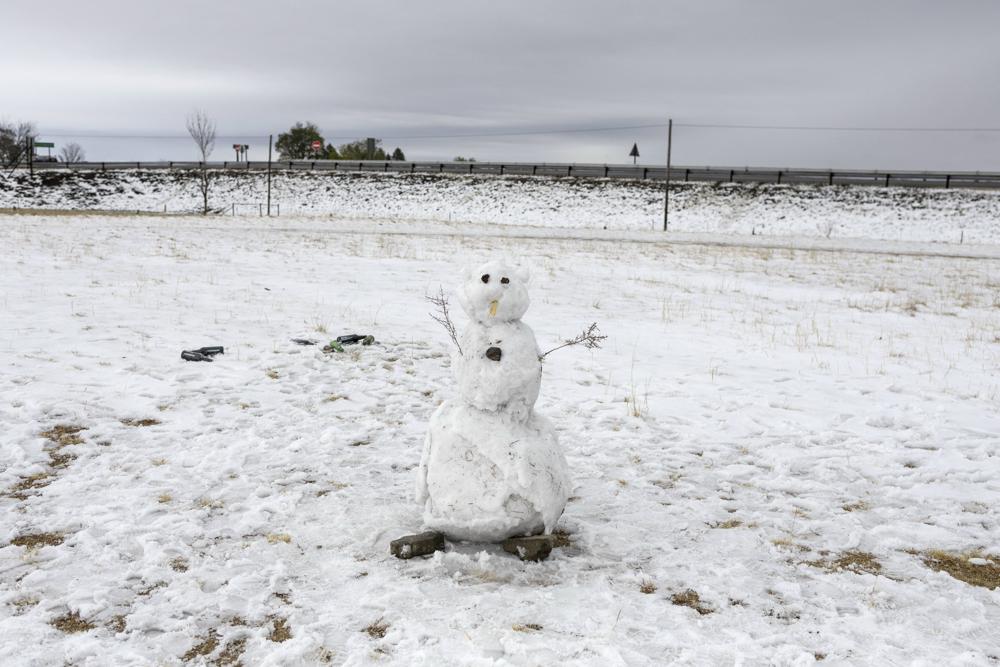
{"x": 666, "y": 187}
{"x": 29, "y": 145}
{"x": 270, "y": 141}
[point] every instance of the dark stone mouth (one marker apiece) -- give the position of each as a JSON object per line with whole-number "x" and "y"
{"x": 494, "y": 353}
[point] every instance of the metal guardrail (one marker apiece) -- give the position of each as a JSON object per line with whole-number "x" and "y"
{"x": 694, "y": 174}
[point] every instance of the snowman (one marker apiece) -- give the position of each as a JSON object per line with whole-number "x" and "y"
{"x": 491, "y": 467}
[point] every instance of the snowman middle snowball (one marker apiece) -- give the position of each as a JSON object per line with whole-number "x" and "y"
{"x": 492, "y": 468}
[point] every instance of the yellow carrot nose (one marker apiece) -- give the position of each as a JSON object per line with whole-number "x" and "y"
{"x": 493, "y": 308}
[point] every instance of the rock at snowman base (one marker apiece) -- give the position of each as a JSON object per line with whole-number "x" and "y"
{"x": 411, "y": 546}
{"x": 535, "y": 548}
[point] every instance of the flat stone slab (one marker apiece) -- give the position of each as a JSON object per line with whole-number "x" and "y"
{"x": 422, "y": 544}
{"x": 534, "y": 548}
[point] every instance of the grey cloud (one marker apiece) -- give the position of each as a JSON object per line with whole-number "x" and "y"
{"x": 448, "y": 67}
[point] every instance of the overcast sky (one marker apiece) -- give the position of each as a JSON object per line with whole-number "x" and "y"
{"x": 404, "y": 69}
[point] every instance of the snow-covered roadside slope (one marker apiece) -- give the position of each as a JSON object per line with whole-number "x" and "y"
{"x": 899, "y": 214}
{"x": 766, "y": 453}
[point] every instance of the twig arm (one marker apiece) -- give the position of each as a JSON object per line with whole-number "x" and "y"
{"x": 443, "y": 316}
{"x": 590, "y": 338}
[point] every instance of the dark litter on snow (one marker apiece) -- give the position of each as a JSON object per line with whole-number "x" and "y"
{"x": 304, "y": 341}
{"x": 348, "y": 339}
{"x": 351, "y": 339}
{"x": 202, "y": 353}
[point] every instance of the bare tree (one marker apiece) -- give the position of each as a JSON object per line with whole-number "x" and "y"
{"x": 14, "y": 142}
{"x": 202, "y": 130}
{"x": 72, "y": 152}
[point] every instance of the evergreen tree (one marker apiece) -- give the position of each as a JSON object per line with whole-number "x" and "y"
{"x": 398, "y": 155}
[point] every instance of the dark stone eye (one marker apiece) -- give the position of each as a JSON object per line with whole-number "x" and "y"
{"x": 494, "y": 353}
{"x": 505, "y": 280}
{"x": 485, "y": 278}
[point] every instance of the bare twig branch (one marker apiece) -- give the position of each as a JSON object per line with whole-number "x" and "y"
{"x": 443, "y": 317}
{"x": 590, "y": 338}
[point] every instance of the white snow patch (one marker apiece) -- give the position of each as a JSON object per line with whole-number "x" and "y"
{"x": 755, "y": 415}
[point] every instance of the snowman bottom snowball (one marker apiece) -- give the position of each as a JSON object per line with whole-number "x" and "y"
{"x": 485, "y": 477}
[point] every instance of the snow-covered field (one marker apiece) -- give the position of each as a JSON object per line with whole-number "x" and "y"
{"x": 778, "y": 455}
{"x": 840, "y": 212}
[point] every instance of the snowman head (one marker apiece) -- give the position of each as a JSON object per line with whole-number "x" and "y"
{"x": 494, "y": 292}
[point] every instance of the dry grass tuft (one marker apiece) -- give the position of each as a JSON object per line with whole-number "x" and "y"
{"x": 274, "y": 538}
{"x": 205, "y": 647}
{"x": 859, "y": 506}
{"x": 179, "y": 564}
{"x": 116, "y": 624}
{"x": 647, "y": 586}
{"x": 858, "y": 562}
{"x": 526, "y": 627}
{"x": 377, "y": 629}
{"x": 36, "y": 540}
{"x": 64, "y": 434}
{"x": 209, "y": 504}
{"x": 139, "y": 423}
{"x": 730, "y": 523}
{"x": 30, "y": 483}
{"x": 60, "y": 435}
{"x": 690, "y": 598}
{"x": 232, "y": 653}
{"x": 148, "y": 590}
{"x": 71, "y": 623}
{"x": 271, "y": 373}
{"x": 280, "y": 632}
{"x": 985, "y": 574}
{"x": 57, "y": 459}
{"x": 787, "y": 543}
{"x": 561, "y": 538}
{"x": 22, "y": 604}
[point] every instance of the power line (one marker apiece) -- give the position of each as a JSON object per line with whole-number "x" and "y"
{"x": 529, "y": 132}
{"x": 101, "y": 135}
{"x": 522, "y": 133}
{"x": 830, "y": 128}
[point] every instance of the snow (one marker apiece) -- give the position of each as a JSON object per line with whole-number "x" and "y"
{"x": 774, "y": 211}
{"x": 510, "y": 384}
{"x": 763, "y": 425}
{"x": 495, "y": 292}
{"x": 492, "y": 468}
{"x": 484, "y": 477}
